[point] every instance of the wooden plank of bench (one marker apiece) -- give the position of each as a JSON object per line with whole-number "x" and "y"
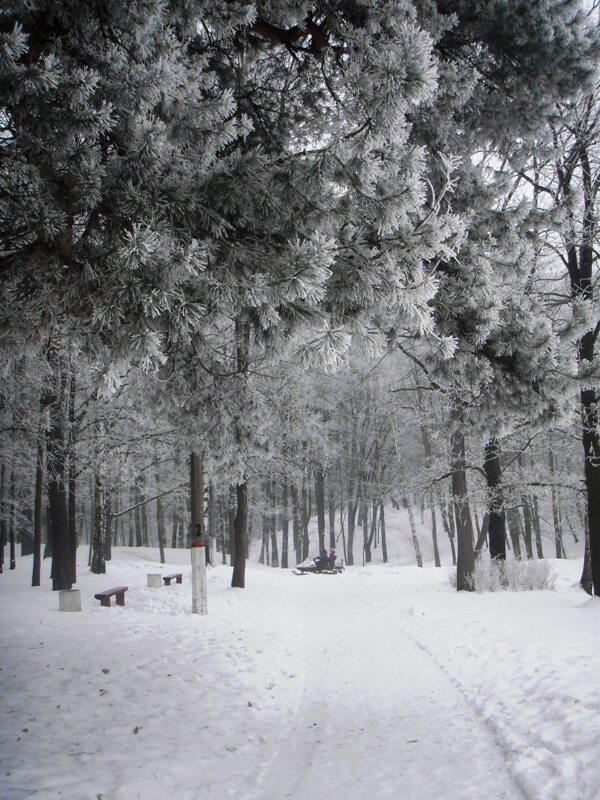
{"x": 178, "y": 576}
{"x": 118, "y": 591}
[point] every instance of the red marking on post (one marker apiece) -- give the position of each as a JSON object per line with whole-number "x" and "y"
{"x": 198, "y": 545}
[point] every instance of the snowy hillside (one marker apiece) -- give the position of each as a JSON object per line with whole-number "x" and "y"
{"x": 381, "y": 682}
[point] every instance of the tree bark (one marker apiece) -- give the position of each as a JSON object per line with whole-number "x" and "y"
{"x": 434, "y": 538}
{"x": 384, "y": 553}
{"x": 496, "y": 523}
{"x": 160, "y": 523}
{"x": 240, "y": 528}
{"x": 242, "y": 355}
{"x": 320, "y": 503}
{"x": 58, "y": 522}
{"x": 465, "y": 562}
{"x": 197, "y": 527}
{"x": 37, "y": 512}
{"x": 285, "y": 527}
{"x": 72, "y": 505}
{"x": 331, "y": 514}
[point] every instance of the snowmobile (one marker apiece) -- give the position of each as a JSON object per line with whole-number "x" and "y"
{"x": 319, "y": 566}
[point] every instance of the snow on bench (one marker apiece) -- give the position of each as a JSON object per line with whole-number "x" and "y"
{"x": 177, "y": 576}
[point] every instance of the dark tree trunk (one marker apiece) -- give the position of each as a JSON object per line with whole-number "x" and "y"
{"x": 515, "y": 529}
{"x": 272, "y": 522}
{"x": 535, "y": 518}
{"x": 586, "y": 582}
{"x": 434, "y": 538}
{"x": 212, "y": 521}
{"x": 448, "y": 525}
{"x": 160, "y": 523}
{"x": 240, "y": 546}
{"x": 238, "y": 579}
{"x": 320, "y": 503}
{"x": 352, "y": 506}
{"x": 108, "y": 542}
{"x": 231, "y": 522}
{"x": 143, "y": 513}
{"x": 496, "y": 523}
{"x": 465, "y": 562}
{"x": 2, "y": 518}
{"x": 72, "y": 505}
{"x": 384, "y": 553}
{"x": 197, "y": 527}
{"x": 591, "y": 447}
{"x": 12, "y": 527}
{"x": 364, "y": 517}
{"x": 37, "y": 513}
{"x": 305, "y": 518}
{"x": 174, "y": 523}
{"x": 296, "y": 523}
{"x": 98, "y": 565}
{"x": 58, "y": 521}
{"x": 285, "y": 527}
{"x": 137, "y": 514}
{"x": 331, "y": 515}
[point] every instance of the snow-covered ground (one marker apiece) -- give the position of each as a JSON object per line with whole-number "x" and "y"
{"x": 379, "y": 683}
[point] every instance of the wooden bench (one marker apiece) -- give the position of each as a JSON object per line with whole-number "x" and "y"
{"x": 176, "y": 576}
{"x": 118, "y": 591}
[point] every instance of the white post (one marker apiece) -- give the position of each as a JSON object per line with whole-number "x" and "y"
{"x": 199, "y": 600}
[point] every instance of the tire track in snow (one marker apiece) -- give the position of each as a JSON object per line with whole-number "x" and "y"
{"x": 493, "y": 729}
{"x": 379, "y": 717}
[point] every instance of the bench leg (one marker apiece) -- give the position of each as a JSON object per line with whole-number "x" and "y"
{"x": 167, "y": 581}
{"x": 179, "y": 578}
{"x": 105, "y": 601}
{"x": 121, "y": 599}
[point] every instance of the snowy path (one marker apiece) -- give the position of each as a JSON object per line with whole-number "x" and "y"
{"x": 377, "y": 717}
{"x": 379, "y": 684}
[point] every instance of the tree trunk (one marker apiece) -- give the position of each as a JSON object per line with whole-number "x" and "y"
{"x": 413, "y": 528}
{"x": 108, "y": 541}
{"x": 98, "y": 565}
{"x": 197, "y": 527}
{"x": 72, "y": 505}
{"x": 384, "y": 553}
{"x": 11, "y": 530}
{"x": 58, "y": 522}
{"x": 160, "y": 523}
{"x": 331, "y": 513}
{"x": 211, "y": 533}
{"x": 591, "y": 448}
{"x": 305, "y": 518}
{"x": 364, "y": 518}
{"x": 37, "y": 512}
{"x": 272, "y": 527}
{"x": 495, "y": 500}
{"x": 2, "y": 518}
{"x": 434, "y": 539}
{"x": 515, "y": 529}
{"x": 351, "y": 523}
{"x": 465, "y": 562}
{"x": 320, "y": 503}
{"x": 556, "y": 516}
{"x": 238, "y": 579}
{"x": 240, "y": 547}
{"x": 296, "y": 524}
{"x": 285, "y": 527}
{"x": 586, "y": 582}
